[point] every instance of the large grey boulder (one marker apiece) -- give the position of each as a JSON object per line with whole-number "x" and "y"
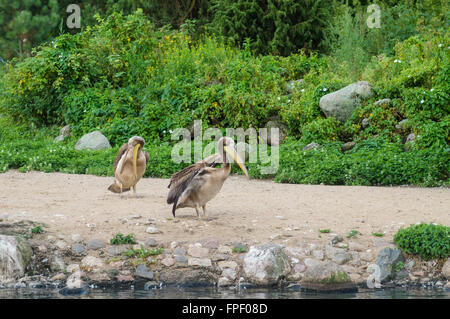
{"x": 340, "y": 104}
{"x": 15, "y": 254}
{"x": 93, "y": 141}
{"x": 266, "y": 264}
{"x": 386, "y": 261}
{"x": 327, "y": 277}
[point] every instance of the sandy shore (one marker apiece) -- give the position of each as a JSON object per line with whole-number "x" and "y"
{"x": 250, "y": 211}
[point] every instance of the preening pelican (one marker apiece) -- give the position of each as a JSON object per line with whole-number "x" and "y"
{"x": 129, "y": 166}
{"x": 197, "y": 184}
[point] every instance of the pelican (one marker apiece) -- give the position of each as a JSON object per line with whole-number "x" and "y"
{"x": 197, "y": 184}
{"x": 129, "y": 166}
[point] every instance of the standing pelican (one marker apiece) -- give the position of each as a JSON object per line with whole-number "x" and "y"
{"x": 197, "y": 184}
{"x": 129, "y": 166}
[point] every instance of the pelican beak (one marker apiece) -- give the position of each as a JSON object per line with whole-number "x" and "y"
{"x": 135, "y": 153}
{"x": 236, "y": 158}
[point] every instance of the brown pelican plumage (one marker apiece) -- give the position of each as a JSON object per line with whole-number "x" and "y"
{"x": 197, "y": 184}
{"x": 129, "y": 166}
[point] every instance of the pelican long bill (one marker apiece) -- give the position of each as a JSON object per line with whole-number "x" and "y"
{"x": 236, "y": 158}
{"x": 135, "y": 153}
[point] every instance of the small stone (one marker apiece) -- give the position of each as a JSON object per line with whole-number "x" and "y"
{"x": 336, "y": 239}
{"x": 198, "y": 252}
{"x": 383, "y": 102}
{"x": 219, "y": 257}
{"x": 181, "y": 259}
{"x": 356, "y": 246}
{"x": 135, "y": 216}
{"x": 338, "y": 255}
{"x": 348, "y": 146}
{"x": 222, "y": 249}
{"x": 366, "y": 256}
{"x": 72, "y": 268}
{"x": 200, "y": 262}
{"x": 227, "y": 264}
{"x": 95, "y": 244}
{"x": 125, "y": 278}
{"x": 75, "y": 281}
{"x": 152, "y": 230}
{"x": 311, "y": 146}
{"x": 310, "y": 262}
{"x": 299, "y": 267}
{"x": 151, "y": 242}
{"x": 169, "y": 261}
{"x": 179, "y": 251}
{"x": 78, "y": 249}
{"x": 209, "y": 242}
{"x": 229, "y": 273}
{"x": 144, "y": 272}
{"x": 76, "y": 238}
{"x": 59, "y": 276}
{"x": 50, "y": 239}
{"x": 42, "y": 248}
{"x": 318, "y": 254}
{"x": 61, "y": 244}
{"x": 116, "y": 250}
{"x": 92, "y": 263}
{"x": 446, "y": 269}
{"x": 365, "y": 123}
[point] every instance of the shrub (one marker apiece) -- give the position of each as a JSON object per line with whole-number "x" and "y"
{"x": 429, "y": 241}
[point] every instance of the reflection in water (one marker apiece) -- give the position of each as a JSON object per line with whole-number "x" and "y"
{"x": 223, "y": 293}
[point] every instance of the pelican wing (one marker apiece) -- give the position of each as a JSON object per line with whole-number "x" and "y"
{"x": 122, "y": 151}
{"x": 146, "y": 158}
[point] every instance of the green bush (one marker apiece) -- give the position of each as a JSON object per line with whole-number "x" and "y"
{"x": 429, "y": 241}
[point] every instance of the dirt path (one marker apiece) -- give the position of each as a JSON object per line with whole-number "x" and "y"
{"x": 252, "y": 211}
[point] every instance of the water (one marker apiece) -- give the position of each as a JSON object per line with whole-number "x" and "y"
{"x": 215, "y": 293}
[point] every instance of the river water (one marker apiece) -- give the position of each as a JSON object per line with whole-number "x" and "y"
{"x": 212, "y": 293}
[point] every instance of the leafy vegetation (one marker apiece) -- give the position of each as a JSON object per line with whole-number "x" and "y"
{"x": 429, "y": 241}
{"x": 120, "y": 239}
{"x": 143, "y": 252}
{"x": 37, "y": 230}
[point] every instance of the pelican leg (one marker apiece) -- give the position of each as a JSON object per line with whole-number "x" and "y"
{"x": 134, "y": 191}
{"x": 204, "y": 210}
{"x": 196, "y": 210}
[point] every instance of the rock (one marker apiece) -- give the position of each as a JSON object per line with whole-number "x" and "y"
{"x": 352, "y": 245}
{"x": 61, "y": 244}
{"x": 198, "y": 252}
{"x": 72, "y": 268}
{"x": 266, "y": 264}
{"x": 179, "y": 251}
{"x": 63, "y": 134}
{"x": 57, "y": 263}
{"x": 271, "y": 126}
{"x": 95, "y": 244}
{"x": 311, "y": 146}
{"x": 91, "y": 263}
{"x": 318, "y": 254}
{"x": 92, "y": 141}
{"x": 409, "y": 140}
{"x": 211, "y": 243}
{"x": 446, "y": 269}
{"x": 219, "y": 257}
{"x": 386, "y": 261}
{"x": 181, "y": 259}
{"x": 227, "y": 264}
{"x": 151, "y": 242}
{"x": 299, "y": 267}
{"x": 447, "y": 286}
{"x": 336, "y": 239}
{"x": 200, "y": 262}
{"x": 143, "y": 272}
{"x": 116, "y": 250}
{"x": 229, "y": 273}
{"x": 224, "y": 249}
{"x": 310, "y": 262}
{"x": 169, "y": 261}
{"x": 348, "y": 146}
{"x": 125, "y": 278}
{"x": 340, "y": 104}
{"x": 291, "y": 86}
{"x": 382, "y": 102}
{"x": 76, "y": 238}
{"x": 78, "y": 249}
{"x": 15, "y": 255}
{"x": 402, "y": 125}
{"x": 338, "y": 255}
{"x": 199, "y": 277}
{"x": 327, "y": 277}
{"x": 75, "y": 280}
{"x": 152, "y": 230}
{"x": 365, "y": 123}
{"x": 59, "y": 276}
